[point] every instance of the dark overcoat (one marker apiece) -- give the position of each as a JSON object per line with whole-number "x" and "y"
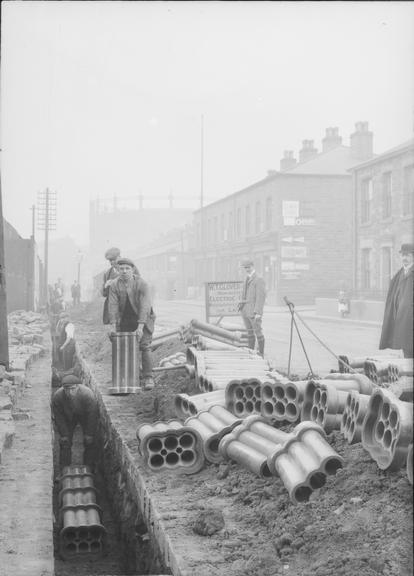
{"x": 110, "y": 274}
{"x": 254, "y": 296}
{"x": 397, "y": 326}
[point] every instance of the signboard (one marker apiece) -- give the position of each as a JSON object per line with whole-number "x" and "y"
{"x": 290, "y": 265}
{"x": 290, "y": 275}
{"x": 294, "y": 252}
{"x": 290, "y": 208}
{"x": 222, "y": 298}
{"x": 299, "y": 221}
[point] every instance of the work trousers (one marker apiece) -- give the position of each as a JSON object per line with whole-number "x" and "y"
{"x": 89, "y": 452}
{"x": 129, "y": 323}
{"x": 254, "y": 332}
{"x": 67, "y": 356}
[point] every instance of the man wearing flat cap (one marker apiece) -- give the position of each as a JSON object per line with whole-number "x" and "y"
{"x": 75, "y": 404}
{"x": 130, "y": 310}
{"x": 397, "y": 326}
{"x": 251, "y": 305}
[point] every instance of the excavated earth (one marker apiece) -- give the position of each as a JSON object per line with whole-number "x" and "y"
{"x": 359, "y": 523}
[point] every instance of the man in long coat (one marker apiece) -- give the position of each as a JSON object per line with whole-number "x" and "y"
{"x": 397, "y": 326}
{"x": 251, "y": 305}
{"x": 130, "y": 310}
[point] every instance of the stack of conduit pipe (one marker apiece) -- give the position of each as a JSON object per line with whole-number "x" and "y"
{"x": 82, "y": 533}
{"x": 302, "y": 458}
{"x": 171, "y": 446}
{"x": 387, "y": 430}
{"x": 282, "y": 399}
{"x": 212, "y": 424}
{"x": 160, "y": 339}
{"x": 197, "y": 327}
{"x": 186, "y": 405}
{"x": 243, "y": 397}
{"x": 353, "y": 416}
{"x": 324, "y": 400}
{"x": 377, "y": 370}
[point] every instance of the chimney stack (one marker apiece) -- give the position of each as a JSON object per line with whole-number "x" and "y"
{"x": 288, "y": 161}
{"x": 362, "y": 142}
{"x": 332, "y": 139}
{"x": 307, "y": 151}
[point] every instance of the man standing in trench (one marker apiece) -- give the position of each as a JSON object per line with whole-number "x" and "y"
{"x": 130, "y": 310}
{"x": 75, "y": 404}
{"x": 251, "y": 305}
{"x": 397, "y": 326}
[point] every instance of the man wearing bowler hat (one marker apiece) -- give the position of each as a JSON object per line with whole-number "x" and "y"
{"x": 130, "y": 310}
{"x": 75, "y": 404}
{"x": 397, "y": 326}
{"x": 251, "y": 305}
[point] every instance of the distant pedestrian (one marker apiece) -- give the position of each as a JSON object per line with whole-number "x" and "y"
{"x": 112, "y": 255}
{"x": 397, "y": 326}
{"x": 75, "y": 404}
{"x": 251, "y": 305}
{"x": 76, "y": 292}
{"x": 130, "y": 310}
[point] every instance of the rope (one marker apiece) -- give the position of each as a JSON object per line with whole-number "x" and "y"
{"x": 291, "y": 307}
{"x": 292, "y": 311}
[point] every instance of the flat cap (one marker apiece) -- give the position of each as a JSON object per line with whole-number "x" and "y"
{"x": 125, "y": 261}
{"x": 70, "y": 380}
{"x": 112, "y": 253}
{"x": 246, "y": 262}
{"x": 407, "y": 248}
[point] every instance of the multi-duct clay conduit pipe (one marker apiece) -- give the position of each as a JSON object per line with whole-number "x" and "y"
{"x": 356, "y": 406}
{"x": 243, "y": 396}
{"x": 282, "y": 399}
{"x": 214, "y": 330}
{"x": 186, "y": 405}
{"x": 400, "y": 367}
{"x": 171, "y": 446}
{"x": 387, "y": 429}
{"x": 212, "y": 424}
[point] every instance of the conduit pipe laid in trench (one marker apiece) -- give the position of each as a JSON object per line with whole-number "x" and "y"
{"x": 324, "y": 400}
{"x": 171, "y": 446}
{"x": 302, "y": 459}
{"x": 212, "y": 424}
{"x": 387, "y": 430}
{"x": 352, "y": 419}
{"x": 82, "y": 533}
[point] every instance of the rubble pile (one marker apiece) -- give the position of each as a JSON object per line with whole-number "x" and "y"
{"x": 25, "y": 338}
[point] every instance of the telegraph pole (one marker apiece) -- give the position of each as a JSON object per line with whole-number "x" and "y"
{"x": 46, "y": 221}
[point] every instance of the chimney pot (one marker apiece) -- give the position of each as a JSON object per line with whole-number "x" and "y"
{"x": 288, "y": 161}
{"x": 362, "y": 142}
{"x": 308, "y": 151}
{"x": 332, "y": 139}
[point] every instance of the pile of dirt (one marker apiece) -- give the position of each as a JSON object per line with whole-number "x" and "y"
{"x": 360, "y": 522}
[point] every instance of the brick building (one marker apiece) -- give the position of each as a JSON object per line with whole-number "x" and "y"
{"x": 383, "y": 197}
{"x": 295, "y": 223}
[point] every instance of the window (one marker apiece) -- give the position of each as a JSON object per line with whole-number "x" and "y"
{"x": 386, "y": 195}
{"x": 366, "y": 198}
{"x": 366, "y": 269}
{"x": 408, "y": 190}
{"x": 248, "y": 217}
{"x": 269, "y": 212}
{"x": 258, "y": 218}
{"x": 385, "y": 267}
{"x": 238, "y": 222}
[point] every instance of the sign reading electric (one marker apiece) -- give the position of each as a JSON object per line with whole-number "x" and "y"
{"x": 222, "y": 298}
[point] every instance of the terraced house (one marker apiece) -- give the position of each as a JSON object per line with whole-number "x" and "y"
{"x": 296, "y": 223}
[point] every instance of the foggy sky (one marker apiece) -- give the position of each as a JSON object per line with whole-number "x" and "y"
{"x": 106, "y": 98}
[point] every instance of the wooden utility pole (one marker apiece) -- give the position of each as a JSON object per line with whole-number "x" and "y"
{"x": 46, "y": 222}
{"x": 4, "y": 337}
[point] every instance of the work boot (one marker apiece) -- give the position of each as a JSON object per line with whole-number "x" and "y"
{"x": 148, "y": 383}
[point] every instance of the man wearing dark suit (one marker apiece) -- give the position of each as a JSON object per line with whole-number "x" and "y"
{"x": 397, "y": 326}
{"x": 130, "y": 310}
{"x": 251, "y": 305}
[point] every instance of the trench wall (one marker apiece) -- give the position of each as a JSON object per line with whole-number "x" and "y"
{"x": 148, "y": 547}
